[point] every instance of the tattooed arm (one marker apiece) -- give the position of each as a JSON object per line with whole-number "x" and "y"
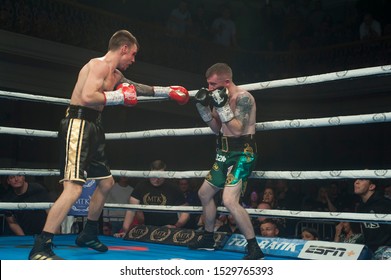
{"x": 141, "y": 89}
{"x": 244, "y": 120}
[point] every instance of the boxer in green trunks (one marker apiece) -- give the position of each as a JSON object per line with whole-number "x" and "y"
{"x": 233, "y": 119}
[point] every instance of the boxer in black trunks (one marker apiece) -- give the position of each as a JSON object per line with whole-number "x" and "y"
{"x": 100, "y": 83}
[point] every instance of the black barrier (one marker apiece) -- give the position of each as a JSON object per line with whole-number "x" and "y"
{"x": 170, "y": 236}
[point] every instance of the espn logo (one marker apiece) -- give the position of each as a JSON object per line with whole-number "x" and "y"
{"x": 325, "y": 251}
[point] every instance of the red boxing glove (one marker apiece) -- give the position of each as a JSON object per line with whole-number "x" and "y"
{"x": 177, "y": 93}
{"x": 130, "y": 94}
{"x": 124, "y": 95}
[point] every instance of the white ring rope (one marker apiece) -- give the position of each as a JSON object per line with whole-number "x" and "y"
{"x": 308, "y": 215}
{"x": 305, "y": 80}
{"x": 262, "y": 126}
{"x": 289, "y": 175}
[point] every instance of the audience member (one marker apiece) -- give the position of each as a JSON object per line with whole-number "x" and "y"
{"x": 252, "y": 200}
{"x": 387, "y": 192}
{"x": 224, "y": 29}
{"x": 120, "y": 194}
{"x": 288, "y": 194}
{"x": 256, "y": 222}
{"x": 323, "y": 202}
{"x": 219, "y": 221}
{"x": 107, "y": 228}
{"x": 156, "y": 191}
{"x": 376, "y": 235}
{"x": 187, "y": 187}
{"x": 25, "y": 222}
{"x": 269, "y": 196}
{"x": 370, "y": 28}
{"x": 309, "y": 234}
{"x": 190, "y": 192}
{"x": 347, "y": 232}
{"x": 179, "y": 21}
{"x": 200, "y": 23}
{"x": 269, "y": 228}
{"x": 229, "y": 226}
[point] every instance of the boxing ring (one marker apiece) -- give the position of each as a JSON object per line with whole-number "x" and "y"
{"x": 17, "y": 247}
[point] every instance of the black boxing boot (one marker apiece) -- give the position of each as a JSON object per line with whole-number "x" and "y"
{"x": 253, "y": 250}
{"x": 89, "y": 237}
{"x": 42, "y": 249}
{"x": 204, "y": 242}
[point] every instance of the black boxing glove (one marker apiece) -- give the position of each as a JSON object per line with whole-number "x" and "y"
{"x": 219, "y": 99}
{"x": 203, "y": 99}
{"x": 203, "y": 96}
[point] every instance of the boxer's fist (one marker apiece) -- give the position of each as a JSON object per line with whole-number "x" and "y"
{"x": 221, "y": 103}
{"x": 177, "y": 93}
{"x": 219, "y": 97}
{"x": 129, "y": 92}
{"x": 125, "y": 94}
{"x": 203, "y": 97}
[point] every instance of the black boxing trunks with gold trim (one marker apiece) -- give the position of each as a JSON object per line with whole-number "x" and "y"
{"x": 82, "y": 144}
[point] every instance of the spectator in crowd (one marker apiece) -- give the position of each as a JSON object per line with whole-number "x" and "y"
{"x": 157, "y": 191}
{"x": 179, "y": 21}
{"x": 219, "y": 221}
{"x": 269, "y": 196}
{"x": 224, "y": 29}
{"x": 323, "y": 202}
{"x": 252, "y": 200}
{"x": 107, "y": 228}
{"x": 187, "y": 187}
{"x": 387, "y": 192}
{"x": 370, "y": 28}
{"x": 256, "y": 222}
{"x": 229, "y": 226}
{"x": 200, "y": 23}
{"x": 348, "y": 232}
{"x": 25, "y": 222}
{"x": 308, "y": 233}
{"x": 119, "y": 194}
{"x": 189, "y": 190}
{"x": 376, "y": 235}
{"x": 269, "y": 228}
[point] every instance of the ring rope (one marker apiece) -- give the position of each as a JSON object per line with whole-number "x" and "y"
{"x": 56, "y": 100}
{"x": 289, "y": 175}
{"x": 261, "y": 126}
{"x": 321, "y": 78}
{"x": 309, "y": 215}
{"x": 304, "y": 80}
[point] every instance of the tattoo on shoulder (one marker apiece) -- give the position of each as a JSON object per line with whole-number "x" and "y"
{"x": 243, "y": 108}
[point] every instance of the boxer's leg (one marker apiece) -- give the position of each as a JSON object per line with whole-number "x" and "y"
{"x": 89, "y": 236}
